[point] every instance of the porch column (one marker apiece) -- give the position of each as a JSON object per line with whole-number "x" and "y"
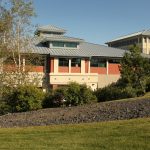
{"x": 69, "y": 65}
{"x": 55, "y": 65}
{"x": 107, "y": 67}
{"x": 89, "y": 70}
{"x": 82, "y": 66}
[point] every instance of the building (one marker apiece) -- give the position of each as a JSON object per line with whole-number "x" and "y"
{"x": 72, "y": 59}
{"x": 141, "y": 39}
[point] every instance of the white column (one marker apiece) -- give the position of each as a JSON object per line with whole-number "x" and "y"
{"x": 147, "y": 40}
{"x": 69, "y": 65}
{"x": 89, "y": 66}
{"x": 50, "y": 45}
{"x": 55, "y": 65}
{"x": 82, "y": 66}
{"x": 107, "y": 66}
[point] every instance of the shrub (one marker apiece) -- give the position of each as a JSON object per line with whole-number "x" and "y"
{"x": 77, "y": 94}
{"x": 112, "y": 92}
{"x": 4, "y": 108}
{"x": 73, "y": 94}
{"x": 54, "y": 98}
{"x": 86, "y": 95}
{"x": 148, "y": 85}
{"x": 25, "y": 98}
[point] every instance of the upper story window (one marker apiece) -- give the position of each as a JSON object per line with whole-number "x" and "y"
{"x": 64, "y": 44}
{"x": 73, "y": 45}
{"x": 76, "y": 62}
{"x": 58, "y": 44}
{"x": 64, "y": 62}
{"x": 98, "y": 62}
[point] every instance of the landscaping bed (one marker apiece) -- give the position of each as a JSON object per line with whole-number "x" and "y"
{"x": 96, "y": 112}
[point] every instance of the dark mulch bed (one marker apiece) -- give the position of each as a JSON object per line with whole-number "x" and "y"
{"x": 116, "y": 110}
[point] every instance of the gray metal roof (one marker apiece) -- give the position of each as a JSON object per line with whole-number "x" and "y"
{"x": 85, "y": 50}
{"x": 50, "y": 28}
{"x": 144, "y": 32}
{"x": 61, "y": 38}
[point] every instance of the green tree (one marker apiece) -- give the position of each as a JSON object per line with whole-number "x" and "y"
{"x": 135, "y": 70}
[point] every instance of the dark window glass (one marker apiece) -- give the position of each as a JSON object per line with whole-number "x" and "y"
{"x": 58, "y": 44}
{"x": 75, "y": 62}
{"x": 114, "y": 61}
{"x": 98, "y": 62}
{"x": 63, "y": 62}
{"x": 71, "y": 45}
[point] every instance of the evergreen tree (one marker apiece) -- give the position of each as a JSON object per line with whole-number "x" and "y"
{"x": 135, "y": 70}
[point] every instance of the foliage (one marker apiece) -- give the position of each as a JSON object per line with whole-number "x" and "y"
{"x": 148, "y": 85}
{"x": 77, "y": 94}
{"x": 72, "y": 95}
{"x": 135, "y": 70}
{"x": 54, "y": 98}
{"x": 113, "y": 92}
{"x": 15, "y": 31}
{"x": 25, "y": 98}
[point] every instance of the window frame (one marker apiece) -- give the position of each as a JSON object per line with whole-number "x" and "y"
{"x": 76, "y": 63}
{"x": 64, "y": 62}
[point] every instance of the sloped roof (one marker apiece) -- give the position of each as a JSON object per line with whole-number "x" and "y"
{"x": 144, "y": 32}
{"x": 50, "y": 28}
{"x": 61, "y": 38}
{"x": 85, "y": 50}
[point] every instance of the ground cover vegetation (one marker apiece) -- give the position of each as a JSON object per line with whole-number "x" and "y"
{"x": 115, "y": 135}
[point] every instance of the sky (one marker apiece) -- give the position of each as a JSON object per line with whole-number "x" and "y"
{"x": 95, "y": 21}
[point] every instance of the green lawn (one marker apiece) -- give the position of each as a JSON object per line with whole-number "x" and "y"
{"x": 115, "y": 135}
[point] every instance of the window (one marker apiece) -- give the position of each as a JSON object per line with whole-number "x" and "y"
{"x": 73, "y": 45}
{"x": 36, "y": 61}
{"x": 98, "y": 62}
{"x": 75, "y": 62}
{"x": 145, "y": 39}
{"x": 58, "y": 44}
{"x": 63, "y": 62}
{"x": 114, "y": 61}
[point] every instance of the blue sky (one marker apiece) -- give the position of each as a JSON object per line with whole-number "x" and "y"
{"x": 96, "y": 21}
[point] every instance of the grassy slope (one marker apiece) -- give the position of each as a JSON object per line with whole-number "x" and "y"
{"x": 116, "y": 135}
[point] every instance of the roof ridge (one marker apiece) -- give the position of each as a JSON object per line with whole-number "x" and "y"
{"x": 127, "y": 35}
{"x": 52, "y": 26}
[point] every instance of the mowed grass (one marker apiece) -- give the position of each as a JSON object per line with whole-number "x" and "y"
{"x": 115, "y": 135}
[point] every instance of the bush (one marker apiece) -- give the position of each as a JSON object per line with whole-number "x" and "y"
{"x": 25, "y": 98}
{"x": 54, "y": 98}
{"x": 77, "y": 94}
{"x": 73, "y": 94}
{"x": 112, "y": 92}
{"x": 4, "y": 108}
{"x": 148, "y": 85}
{"x": 86, "y": 95}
